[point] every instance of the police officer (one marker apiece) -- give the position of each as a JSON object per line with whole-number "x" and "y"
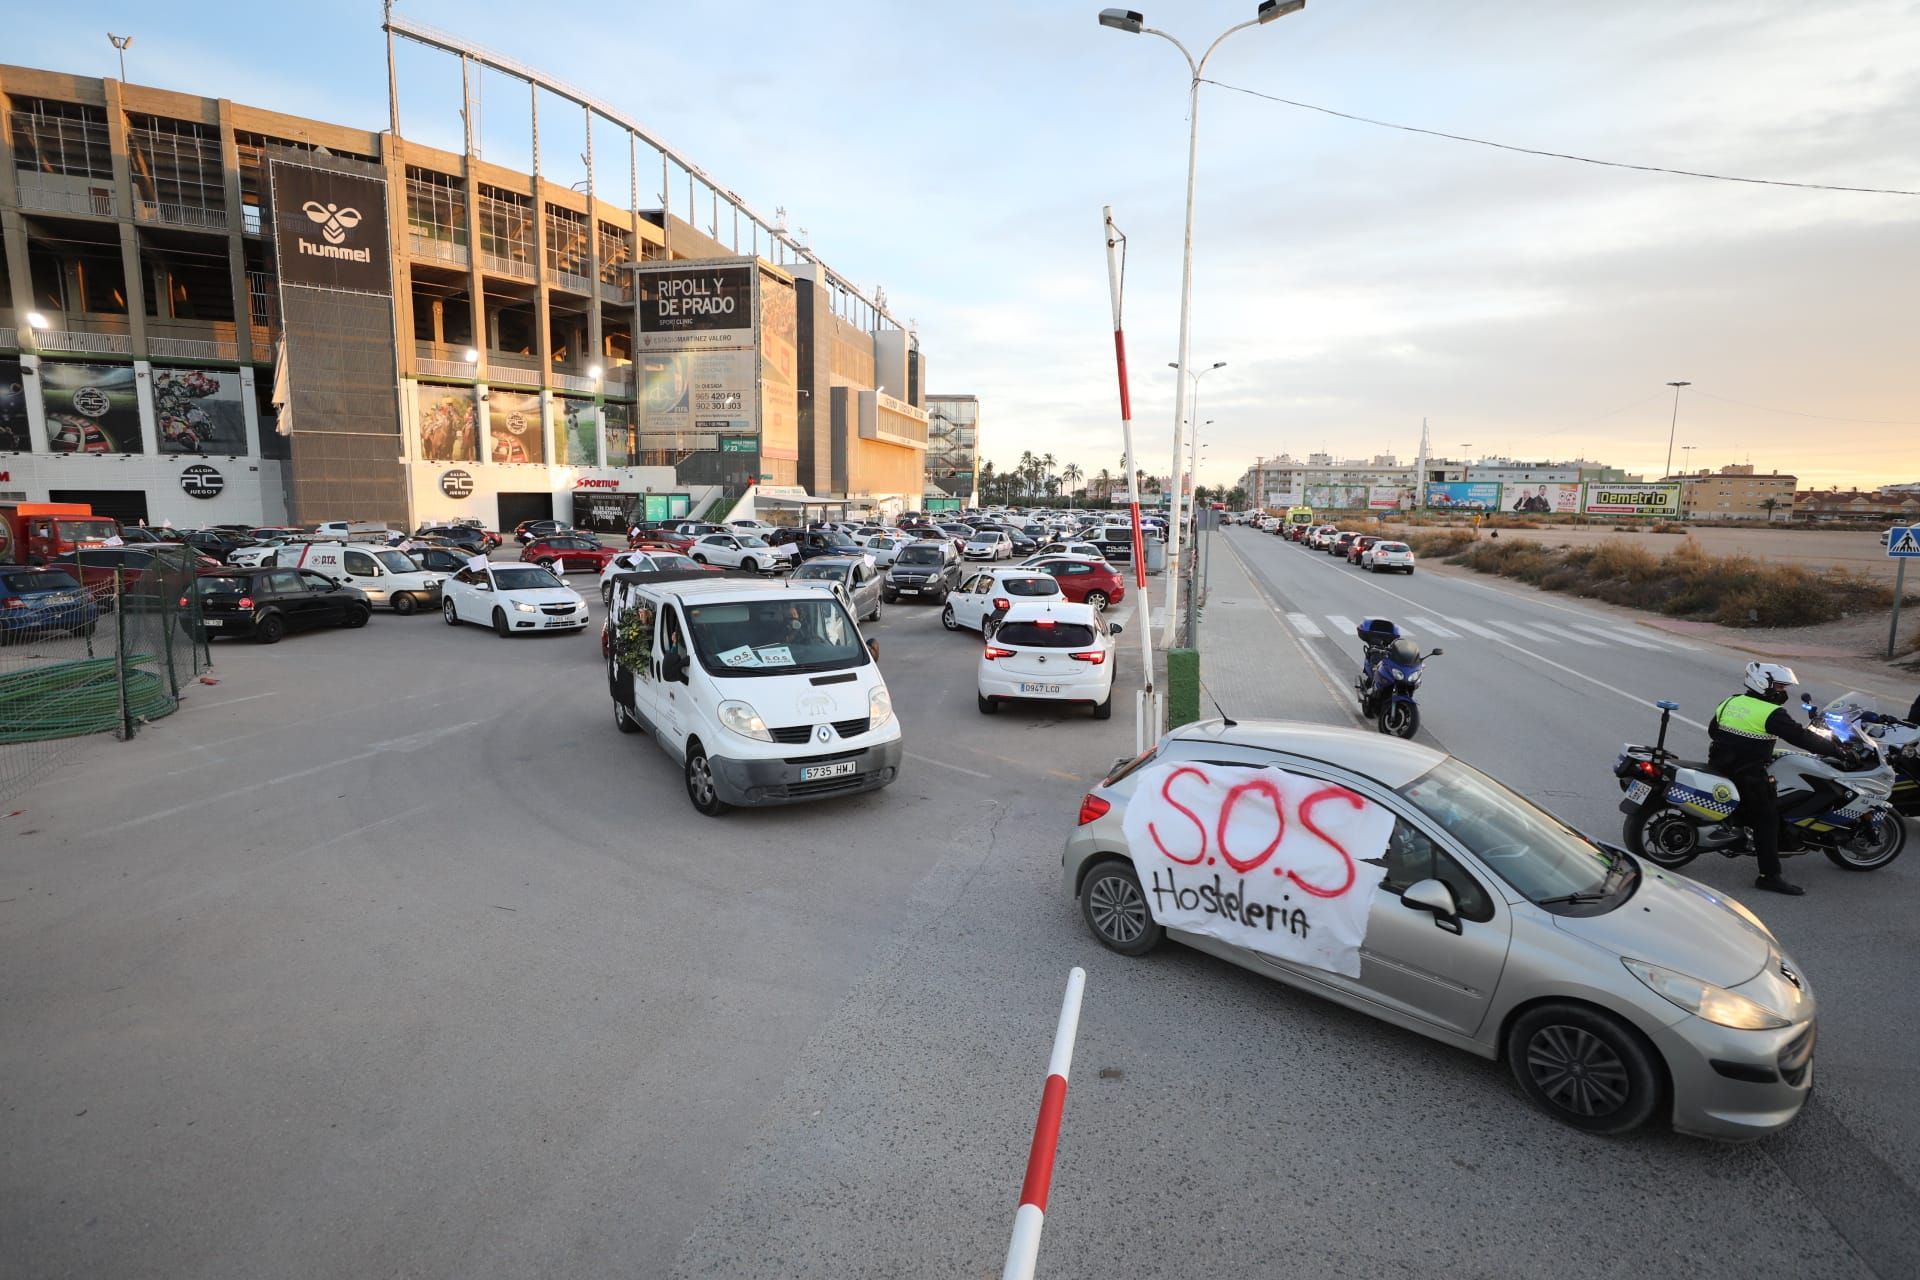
{"x": 1742, "y": 734}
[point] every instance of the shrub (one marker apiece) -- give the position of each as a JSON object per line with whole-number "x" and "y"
{"x": 1438, "y": 545}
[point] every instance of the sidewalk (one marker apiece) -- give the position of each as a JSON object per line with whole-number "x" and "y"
{"x": 1249, "y": 661}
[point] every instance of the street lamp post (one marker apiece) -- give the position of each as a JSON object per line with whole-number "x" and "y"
{"x": 1135, "y": 24}
{"x": 1671, "y": 426}
{"x": 120, "y": 44}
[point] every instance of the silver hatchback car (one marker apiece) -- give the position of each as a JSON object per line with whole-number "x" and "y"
{"x": 1612, "y": 988}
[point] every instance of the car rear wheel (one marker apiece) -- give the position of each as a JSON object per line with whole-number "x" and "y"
{"x": 450, "y": 613}
{"x": 988, "y": 707}
{"x": 1584, "y": 1067}
{"x": 500, "y": 627}
{"x": 1104, "y": 711}
{"x": 622, "y": 721}
{"x": 269, "y": 629}
{"x": 700, "y": 788}
{"x": 1112, "y": 904}
{"x": 1099, "y": 601}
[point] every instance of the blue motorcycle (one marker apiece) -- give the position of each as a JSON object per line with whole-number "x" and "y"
{"x": 1389, "y": 677}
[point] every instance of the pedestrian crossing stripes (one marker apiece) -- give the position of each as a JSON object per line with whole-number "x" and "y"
{"x": 1525, "y": 633}
{"x": 1305, "y": 625}
{"x": 1475, "y": 628}
{"x": 1439, "y": 626}
{"x": 1621, "y": 637}
{"x": 1431, "y": 627}
{"x": 1342, "y": 626}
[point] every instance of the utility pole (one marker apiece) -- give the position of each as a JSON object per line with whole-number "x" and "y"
{"x": 1674, "y": 424}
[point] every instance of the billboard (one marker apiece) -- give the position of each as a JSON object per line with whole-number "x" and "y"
{"x": 200, "y": 411}
{"x": 1337, "y": 497}
{"x": 13, "y": 406}
{"x": 1389, "y": 497}
{"x": 330, "y": 229}
{"x": 689, "y": 301}
{"x": 513, "y": 427}
{"x": 616, "y": 429}
{"x": 1632, "y": 499}
{"x": 1542, "y": 499}
{"x": 1464, "y": 495}
{"x": 448, "y": 432}
{"x": 91, "y": 408}
{"x": 698, "y": 359}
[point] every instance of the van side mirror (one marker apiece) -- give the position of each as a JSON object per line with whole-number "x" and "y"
{"x": 1435, "y": 897}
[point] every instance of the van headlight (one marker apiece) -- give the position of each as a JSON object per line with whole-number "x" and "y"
{"x": 1717, "y": 1005}
{"x": 743, "y": 720}
{"x": 879, "y": 706}
{"x": 521, "y": 606}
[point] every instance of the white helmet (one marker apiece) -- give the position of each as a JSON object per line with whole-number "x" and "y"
{"x": 1770, "y": 680}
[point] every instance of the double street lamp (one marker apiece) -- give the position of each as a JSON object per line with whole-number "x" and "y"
{"x": 1136, "y": 24}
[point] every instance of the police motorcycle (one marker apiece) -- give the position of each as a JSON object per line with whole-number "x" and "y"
{"x": 1678, "y": 809}
{"x": 1899, "y": 741}
{"x": 1388, "y": 677}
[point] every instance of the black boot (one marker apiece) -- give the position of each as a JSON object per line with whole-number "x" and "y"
{"x": 1778, "y": 884}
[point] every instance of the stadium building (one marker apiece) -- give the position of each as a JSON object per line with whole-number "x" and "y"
{"x": 213, "y": 313}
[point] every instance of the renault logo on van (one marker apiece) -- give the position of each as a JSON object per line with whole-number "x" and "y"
{"x": 823, "y": 733}
{"x": 334, "y": 221}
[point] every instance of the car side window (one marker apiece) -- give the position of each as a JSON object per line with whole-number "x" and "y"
{"x": 1412, "y": 857}
{"x": 284, "y": 581}
{"x": 316, "y": 582}
{"x": 359, "y": 562}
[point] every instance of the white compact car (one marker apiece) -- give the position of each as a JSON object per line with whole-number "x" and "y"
{"x": 1066, "y": 548}
{"x": 1049, "y": 651}
{"x": 995, "y": 545}
{"x": 642, "y": 562}
{"x": 512, "y": 598}
{"x": 982, "y": 596}
{"x": 1397, "y": 556}
{"x": 747, "y": 551}
{"x": 760, "y": 527}
{"x": 883, "y": 547}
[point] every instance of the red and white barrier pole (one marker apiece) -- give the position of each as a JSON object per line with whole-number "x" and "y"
{"x": 1024, "y": 1249}
{"x": 1146, "y": 728}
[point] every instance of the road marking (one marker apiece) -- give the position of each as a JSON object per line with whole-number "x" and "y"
{"x": 1660, "y": 640}
{"x": 1342, "y": 626}
{"x": 1305, "y": 626}
{"x": 1537, "y": 637}
{"x": 1336, "y": 686}
{"x": 1577, "y": 638}
{"x": 971, "y": 773}
{"x": 1474, "y": 627}
{"x": 227, "y": 702}
{"x": 408, "y": 743}
{"x": 1428, "y": 624}
{"x": 1619, "y": 637}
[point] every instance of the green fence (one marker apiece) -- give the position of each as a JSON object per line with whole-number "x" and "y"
{"x": 106, "y": 651}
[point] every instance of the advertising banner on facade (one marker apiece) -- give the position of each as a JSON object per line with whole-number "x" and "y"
{"x": 1662, "y": 499}
{"x": 1389, "y": 497}
{"x": 678, "y": 302}
{"x": 779, "y": 369}
{"x": 1337, "y": 497}
{"x": 200, "y": 411}
{"x": 513, "y": 427}
{"x": 13, "y": 406}
{"x": 1542, "y": 499}
{"x": 330, "y": 229}
{"x": 697, "y": 359}
{"x": 448, "y": 432}
{"x": 617, "y": 430}
{"x": 1464, "y": 495}
{"x": 91, "y": 408}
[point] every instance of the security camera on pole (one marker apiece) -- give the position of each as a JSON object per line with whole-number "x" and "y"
{"x": 1135, "y": 24}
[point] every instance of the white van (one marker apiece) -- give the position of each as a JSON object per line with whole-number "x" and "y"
{"x": 390, "y": 578}
{"x": 763, "y": 692}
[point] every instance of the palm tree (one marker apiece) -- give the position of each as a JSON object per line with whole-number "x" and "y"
{"x": 1104, "y": 482}
{"x": 1770, "y": 506}
{"x": 984, "y": 485}
{"x": 1025, "y": 470}
{"x": 1071, "y": 473}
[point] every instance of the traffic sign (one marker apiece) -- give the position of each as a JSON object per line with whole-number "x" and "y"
{"x": 1903, "y": 540}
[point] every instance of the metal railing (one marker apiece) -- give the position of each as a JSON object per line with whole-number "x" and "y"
{"x": 193, "y": 348}
{"x": 570, "y": 282}
{"x": 181, "y": 215}
{"x": 94, "y": 201}
{"x": 574, "y": 382}
{"x": 506, "y": 266}
{"x": 437, "y": 249}
{"x": 104, "y": 344}
{"x": 445, "y": 368}
{"x": 10, "y": 338}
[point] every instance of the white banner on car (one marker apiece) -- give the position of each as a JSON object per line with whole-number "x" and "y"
{"x": 1272, "y": 861}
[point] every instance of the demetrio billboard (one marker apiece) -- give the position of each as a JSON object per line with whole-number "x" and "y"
{"x": 1632, "y": 500}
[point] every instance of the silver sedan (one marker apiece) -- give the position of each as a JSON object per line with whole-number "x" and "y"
{"x": 1614, "y": 990}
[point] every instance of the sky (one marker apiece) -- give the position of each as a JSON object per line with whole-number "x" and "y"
{"x": 1355, "y": 280}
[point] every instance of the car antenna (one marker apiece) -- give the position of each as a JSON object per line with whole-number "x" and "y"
{"x": 1225, "y": 719}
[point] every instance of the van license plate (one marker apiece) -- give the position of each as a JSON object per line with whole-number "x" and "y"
{"x": 1027, "y": 686}
{"x": 1639, "y": 791}
{"x": 838, "y": 769}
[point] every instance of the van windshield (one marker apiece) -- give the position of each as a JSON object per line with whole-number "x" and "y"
{"x": 775, "y": 637}
{"x": 80, "y": 530}
{"x": 919, "y": 555}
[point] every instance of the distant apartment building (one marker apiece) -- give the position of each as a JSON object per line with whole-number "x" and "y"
{"x": 1736, "y": 492}
{"x": 1823, "y": 505}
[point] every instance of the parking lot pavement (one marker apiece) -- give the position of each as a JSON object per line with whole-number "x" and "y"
{"x": 389, "y": 955}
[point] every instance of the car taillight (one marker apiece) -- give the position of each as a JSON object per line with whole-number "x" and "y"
{"x": 246, "y": 602}
{"x": 1091, "y": 807}
{"x": 15, "y": 602}
{"x": 1002, "y": 604}
{"x": 1093, "y": 656}
{"x": 994, "y": 651}
{"x": 183, "y": 602}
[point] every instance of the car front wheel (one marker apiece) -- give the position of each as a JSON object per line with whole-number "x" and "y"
{"x": 1584, "y": 1067}
{"x": 948, "y": 620}
{"x": 405, "y": 605}
{"x": 450, "y": 612}
{"x": 500, "y": 627}
{"x": 1115, "y": 908}
{"x": 700, "y": 787}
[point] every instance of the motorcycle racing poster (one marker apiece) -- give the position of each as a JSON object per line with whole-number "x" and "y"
{"x": 1275, "y": 862}
{"x": 448, "y": 432}
{"x": 91, "y": 408}
{"x": 199, "y": 411}
{"x": 13, "y": 407}
{"x": 513, "y": 427}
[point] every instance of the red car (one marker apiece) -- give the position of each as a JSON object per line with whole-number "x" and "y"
{"x": 563, "y": 553}
{"x": 1083, "y": 581}
{"x": 1360, "y": 544}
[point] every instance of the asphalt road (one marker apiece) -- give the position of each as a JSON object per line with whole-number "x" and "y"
{"x": 388, "y": 956}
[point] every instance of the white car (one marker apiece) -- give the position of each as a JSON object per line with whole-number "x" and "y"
{"x": 760, "y": 527}
{"x": 512, "y": 598}
{"x": 1051, "y": 651}
{"x": 995, "y": 545}
{"x": 747, "y": 551}
{"x": 1387, "y": 555}
{"x": 883, "y": 547}
{"x": 975, "y": 604}
{"x": 1068, "y": 548}
{"x": 641, "y": 562}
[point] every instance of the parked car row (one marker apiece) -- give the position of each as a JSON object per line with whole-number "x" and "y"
{"x": 1371, "y": 551}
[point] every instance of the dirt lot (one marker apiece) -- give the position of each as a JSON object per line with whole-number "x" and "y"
{"x": 1858, "y": 552}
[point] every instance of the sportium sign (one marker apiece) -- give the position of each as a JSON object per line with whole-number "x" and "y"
{"x": 330, "y": 229}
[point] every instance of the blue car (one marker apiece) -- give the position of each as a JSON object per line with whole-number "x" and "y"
{"x": 35, "y": 603}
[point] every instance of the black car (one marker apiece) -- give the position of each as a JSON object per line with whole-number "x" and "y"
{"x": 463, "y": 534}
{"x": 811, "y": 544}
{"x": 268, "y": 603}
{"x": 218, "y": 543}
{"x": 1338, "y": 547}
{"x": 925, "y": 570}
